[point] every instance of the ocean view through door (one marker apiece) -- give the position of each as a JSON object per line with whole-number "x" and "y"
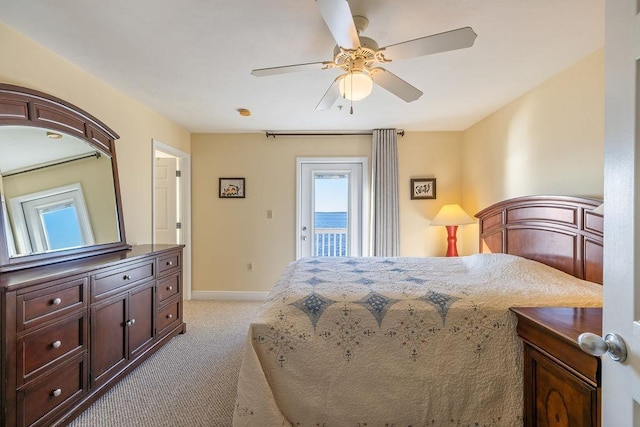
{"x": 330, "y": 207}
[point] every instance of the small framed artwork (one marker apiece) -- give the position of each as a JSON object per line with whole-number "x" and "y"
{"x": 423, "y": 188}
{"x": 231, "y": 188}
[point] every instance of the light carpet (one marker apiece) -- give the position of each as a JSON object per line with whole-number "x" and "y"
{"x": 191, "y": 381}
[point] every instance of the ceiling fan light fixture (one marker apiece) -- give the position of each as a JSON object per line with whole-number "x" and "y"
{"x": 54, "y": 135}
{"x": 356, "y": 85}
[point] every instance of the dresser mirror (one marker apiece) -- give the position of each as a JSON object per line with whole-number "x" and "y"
{"x": 59, "y": 189}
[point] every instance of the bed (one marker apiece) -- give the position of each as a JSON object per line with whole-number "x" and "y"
{"x": 418, "y": 341}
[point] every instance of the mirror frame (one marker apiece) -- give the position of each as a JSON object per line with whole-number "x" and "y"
{"x": 27, "y": 107}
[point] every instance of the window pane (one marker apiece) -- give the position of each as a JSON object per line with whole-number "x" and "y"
{"x": 61, "y": 228}
{"x": 331, "y": 214}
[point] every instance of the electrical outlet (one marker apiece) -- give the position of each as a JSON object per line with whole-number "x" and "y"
{"x": 269, "y": 214}
{"x": 249, "y": 266}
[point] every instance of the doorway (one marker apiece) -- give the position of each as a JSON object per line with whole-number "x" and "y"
{"x": 171, "y": 219}
{"x": 331, "y": 207}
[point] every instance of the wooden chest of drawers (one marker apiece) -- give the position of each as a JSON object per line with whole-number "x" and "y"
{"x": 561, "y": 382}
{"x": 72, "y": 330}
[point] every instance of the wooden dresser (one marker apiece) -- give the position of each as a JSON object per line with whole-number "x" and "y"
{"x": 561, "y": 382}
{"x": 71, "y": 330}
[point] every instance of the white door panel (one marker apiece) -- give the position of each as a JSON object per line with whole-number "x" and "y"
{"x": 166, "y": 207}
{"x": 621, "y": 384}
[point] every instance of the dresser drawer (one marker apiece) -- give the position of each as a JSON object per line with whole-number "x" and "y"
{"x": 34, "y": 308}
{"x": 39, "y": 349}
{"x": 107, "y": 283}
{"x": 169, "y": 262}
{"x": 56, "y": 391}
{"x": 168, "y": 287}
{"x": 167, "y": 316}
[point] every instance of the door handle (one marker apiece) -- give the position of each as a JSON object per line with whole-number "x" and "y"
{"x": 304, "y": 228}
{"x": 613, "y": 344}
{"x": 304, "y": 237}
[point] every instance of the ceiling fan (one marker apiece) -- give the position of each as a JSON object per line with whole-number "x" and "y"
{"x": 356, "y": 56}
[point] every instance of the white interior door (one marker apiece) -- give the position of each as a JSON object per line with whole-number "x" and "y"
{"x": 174, "y": 205}
{"x": 166, "y": 201}
{"x": 621, "y": 311}
{"x": 330, "y": 207}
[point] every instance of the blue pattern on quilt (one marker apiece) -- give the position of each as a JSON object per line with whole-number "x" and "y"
{"x": 351, "y": 262}
{"x": 347, "y": 331}
{"x": 478, "y": 327}
{"x": 314, "y": 281}
{"x": 282, "y": 338}
{"x": 441, "y": 302}
{"x": 315, "y": 270}
{"x": 377, "y": 304}
{"x": 313, "y": 306}
{"x": 416, "y": 280}
{"x": 413, "y": 331}
{"x": 365, "y": 281}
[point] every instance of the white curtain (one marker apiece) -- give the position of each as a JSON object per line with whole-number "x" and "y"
{"x": 385, "y": 230}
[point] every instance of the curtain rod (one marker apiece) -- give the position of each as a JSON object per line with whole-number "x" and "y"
{"x": 96, "y": 154}
{"x": 318, "y": 133}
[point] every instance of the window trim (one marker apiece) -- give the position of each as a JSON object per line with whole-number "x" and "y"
{"x": 29, "y": 231}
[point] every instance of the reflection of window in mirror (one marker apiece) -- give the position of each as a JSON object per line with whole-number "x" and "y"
{"x": 52, "y": 219}
{"x": 11, "y": 245}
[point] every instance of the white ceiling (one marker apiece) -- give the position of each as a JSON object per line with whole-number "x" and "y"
{"x": 25, "y": 147}
{"x": 190, "y": 60}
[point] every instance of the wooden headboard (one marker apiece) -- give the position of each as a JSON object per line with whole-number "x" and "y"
{"x": 559, "y": 231}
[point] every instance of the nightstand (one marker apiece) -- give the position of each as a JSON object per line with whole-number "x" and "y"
{"x": 561, "y": 382}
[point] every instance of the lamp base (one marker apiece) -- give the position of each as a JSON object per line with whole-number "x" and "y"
{"x": 452, "y": 249}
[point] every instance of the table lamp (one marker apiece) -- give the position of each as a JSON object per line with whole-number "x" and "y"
{"x": 451, "y": 216}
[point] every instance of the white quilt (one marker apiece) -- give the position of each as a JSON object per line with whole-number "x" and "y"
{"x": 396, "y": 341}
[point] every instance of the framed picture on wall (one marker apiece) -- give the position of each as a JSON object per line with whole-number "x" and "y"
{"x": 423, "y": 188}
{"x": 231, "y": 188}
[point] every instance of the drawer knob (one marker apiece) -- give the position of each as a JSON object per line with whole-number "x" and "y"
{"x": 130, "y": 322}
{"x": 169, "y": 316}
{"x": 169, "y": 288}
{"x": 57, "y": 392}
{"x": 56, "y": 344}
{"x": 169, "y": 262}
{"x": 126, "y": 277}
{"x": 56, "y": 301}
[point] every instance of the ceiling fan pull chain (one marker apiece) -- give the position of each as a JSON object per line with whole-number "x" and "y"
{"x": 351, "y": 100}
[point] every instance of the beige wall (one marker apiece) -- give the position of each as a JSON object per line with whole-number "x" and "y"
{"x": 28, "y": 64}
{"x": 549, "y": 141}
{"x": 428, "y": 155}
{"x": 230, "y": 233}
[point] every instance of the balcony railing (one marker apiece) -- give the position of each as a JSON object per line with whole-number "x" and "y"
{"x": 330, "y": 242}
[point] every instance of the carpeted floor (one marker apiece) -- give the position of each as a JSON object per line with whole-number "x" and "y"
{"x": 189, "y": 382}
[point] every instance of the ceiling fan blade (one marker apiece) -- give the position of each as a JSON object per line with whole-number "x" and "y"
{"x": 261, "y": 72}
{"x": 337, "y": 16}
{"x": 329, "y": 96}
{"x": 395, "y": 84}
{"x": 442, "y": 42}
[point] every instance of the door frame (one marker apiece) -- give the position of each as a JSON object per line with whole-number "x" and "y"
{"x": 184, "y": 202}
{"x": 364, "y": 220}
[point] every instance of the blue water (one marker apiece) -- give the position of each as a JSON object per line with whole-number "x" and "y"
{"x": 331, "y": 219}
{"x": 330, "y": 244}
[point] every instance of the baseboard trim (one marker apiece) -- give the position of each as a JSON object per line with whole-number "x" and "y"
{"x": 229, "y": 296}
